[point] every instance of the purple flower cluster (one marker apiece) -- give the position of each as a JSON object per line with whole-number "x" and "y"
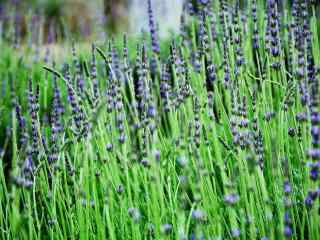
{"x": 239, "y": 59}
{"x": 153, "y": 30}
{"x": 288, "y": 232}
{"x": 56, "y": 121}
{"x": 93, "y": 76}
{"x": 73, "y": 99}
{"x": 257, "y": 136}
{"x": 273, "y": 31}
{"x": 22, "y": 124}
{"x": 78, "y": 72}
{"x": 255, "y": 34}
{"x": 33, "y": 107}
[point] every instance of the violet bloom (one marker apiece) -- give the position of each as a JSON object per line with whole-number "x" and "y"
{"x": 33, "y": 111}
{"x": 22, "y": 124}
{"x": 287, "y": 204}
{"x": 255, "y": 35}
{"x": 153, "y": 31}
{"x": 210, "y": 75}
{"x": 77, "y": 112}
{"x": 274, "y": 28}
{"x": 93, "y": 71}
{"x": 231, "y": 198}
{"x": 166, "y": 228}
{"x": 226, "y": 63}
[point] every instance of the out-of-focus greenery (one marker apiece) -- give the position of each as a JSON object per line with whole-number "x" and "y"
{"x": 52, "y": 8}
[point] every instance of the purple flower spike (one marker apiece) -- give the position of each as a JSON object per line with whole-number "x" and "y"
{"x": 153, "y": 30}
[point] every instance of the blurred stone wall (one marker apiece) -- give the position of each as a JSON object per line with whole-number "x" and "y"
{"x": 167, "y": 15}
{"x": 132, "y": 15}
{"x": 87, "y": 18}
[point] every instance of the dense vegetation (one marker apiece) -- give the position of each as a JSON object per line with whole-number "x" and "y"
{"x": 213, "y": 134}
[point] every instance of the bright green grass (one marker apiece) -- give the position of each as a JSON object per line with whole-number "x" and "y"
{"x": 86, "y": 205}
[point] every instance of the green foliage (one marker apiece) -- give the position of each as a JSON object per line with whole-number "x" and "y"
{"x": 170, "y": 176}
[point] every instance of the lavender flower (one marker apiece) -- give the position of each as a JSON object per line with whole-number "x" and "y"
{"x": 56, "y": 122}
{"x": 274, "y": 32}
{"x": 33, "y": 111}
{"x": 213, "y": 24}
{"x": 166, "y": 228}
{"x": 235, "y": 232}
{"x": 255, "y": 35}
{"x": 287, "y": 220}
{"x": 237, "y": 40}
{"x": 198, "y": 215}
{"x": 226, "y": 63}
{"x": 78, "y": 73}
{"x": 95, "y": 84}
{"x": 203, "y": 35}
{"x": 134, "y": 213}
{"x": 210, "y": 75}
{"x": 77, "y": 112}
{"x": 22, "y": 124}
{"x": 165, "y": 88}
{"x": 184, "y": 30}
{"x": 197, "y": 123}
{"x": 153, "y": 30}
{"x": 231, "y": 198}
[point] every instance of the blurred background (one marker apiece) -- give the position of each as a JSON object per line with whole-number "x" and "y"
{"x": 50, "y": 21}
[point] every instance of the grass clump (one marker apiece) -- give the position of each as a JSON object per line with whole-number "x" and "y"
{"x": 214, "y": 135}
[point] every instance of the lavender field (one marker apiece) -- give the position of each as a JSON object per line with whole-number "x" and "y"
{"x": 211, "y": 131}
